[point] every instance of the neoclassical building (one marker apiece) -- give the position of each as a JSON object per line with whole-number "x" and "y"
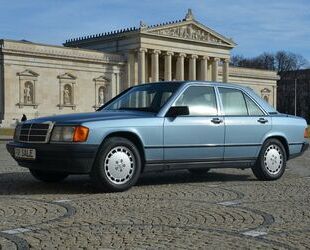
{"x": 39, "y": 80}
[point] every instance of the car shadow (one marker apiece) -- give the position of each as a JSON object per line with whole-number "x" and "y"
{"x": 183, "y": 176}
{"x": 22, "y": 183}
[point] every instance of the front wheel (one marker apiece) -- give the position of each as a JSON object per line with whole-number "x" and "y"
{"x": 271, "y": 162}
{"x": 118, "y": 165}
{"x": 48, "y": 176}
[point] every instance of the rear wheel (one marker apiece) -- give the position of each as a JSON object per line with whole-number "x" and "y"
{"x": 271, "y": 162}
{"x": 118, "y": 165}
{"x": 48, "y": 176}
{"x": 198, "y": 171}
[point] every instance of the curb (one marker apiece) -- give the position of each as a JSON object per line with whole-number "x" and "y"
{"x": 6, "y": 138}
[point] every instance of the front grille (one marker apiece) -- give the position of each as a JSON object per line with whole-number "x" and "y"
{"x": 33, "y": 132}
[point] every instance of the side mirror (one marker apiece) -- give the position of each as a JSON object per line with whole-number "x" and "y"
{"x": 177, "y": 111}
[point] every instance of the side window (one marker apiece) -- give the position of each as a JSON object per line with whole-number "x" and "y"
{"x": 253, "y": 109}
{"x": 200, "y": 100}
{"x": 233, "y": 101}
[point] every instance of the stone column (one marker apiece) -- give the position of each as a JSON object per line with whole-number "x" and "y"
{"x": 225, "y": 70}
{"x": 192, "y": 67}
{"x": 147, "y": 68}
{"x": 204, "y": 68}
{"x": 215, "y": 69}
{"x": 155, "y": 65}
{"x": 168, "y": 66}
{"x": 141, "y": 65}
{"x": 130, "y": 69}
{"x": 180, "y": 67}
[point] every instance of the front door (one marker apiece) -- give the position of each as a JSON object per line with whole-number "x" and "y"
{"x": 199, "y": 136}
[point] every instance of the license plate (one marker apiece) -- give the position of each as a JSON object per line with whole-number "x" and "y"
{"x": 25, "y": 153}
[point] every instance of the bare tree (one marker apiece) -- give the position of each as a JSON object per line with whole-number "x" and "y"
{"x": 281, "y": 61}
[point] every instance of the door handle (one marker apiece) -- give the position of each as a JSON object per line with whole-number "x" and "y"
{"x": 262, "y": 120}
{"x": 217, "y": 120}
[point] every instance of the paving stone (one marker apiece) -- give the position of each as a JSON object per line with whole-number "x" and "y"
{"x": 225, "y": 208}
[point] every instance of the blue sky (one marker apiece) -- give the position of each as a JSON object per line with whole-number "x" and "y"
{"x": 255, "y": 25}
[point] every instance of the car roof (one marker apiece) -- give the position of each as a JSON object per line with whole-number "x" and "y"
{"x": 217, "y": 84}
{"x": 209, "y": 83}
{"x": 266, "y": 106}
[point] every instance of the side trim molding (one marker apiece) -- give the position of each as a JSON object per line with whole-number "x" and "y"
{"x": 151, "y": 166}
{"x": 204, "y": 145}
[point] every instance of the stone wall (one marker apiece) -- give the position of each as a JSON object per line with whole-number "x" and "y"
{"x": 41, "y": 80}
{"x": 263, "y": 82}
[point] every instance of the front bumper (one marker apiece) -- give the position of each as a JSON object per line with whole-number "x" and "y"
{"x": 70, "y": 158}
{"x": 304, "y": 148}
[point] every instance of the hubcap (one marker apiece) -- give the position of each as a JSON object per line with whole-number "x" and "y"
{"x": 119, "y": 165}
{"x": 273, "y": 159}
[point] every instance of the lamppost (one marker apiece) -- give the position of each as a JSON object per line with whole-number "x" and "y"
{"x": 295, "y": 101}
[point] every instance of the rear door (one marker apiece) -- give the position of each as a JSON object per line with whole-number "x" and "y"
{"x": 245, "y": 124}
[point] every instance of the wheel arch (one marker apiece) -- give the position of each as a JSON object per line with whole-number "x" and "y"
{"x": 284, "y": 142}
{"x": 129, "y": 135}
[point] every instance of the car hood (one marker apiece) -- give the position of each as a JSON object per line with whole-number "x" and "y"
{"x": 79, "y": 118}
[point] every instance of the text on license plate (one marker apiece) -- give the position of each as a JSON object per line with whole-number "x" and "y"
{"x": 25, "y": 153}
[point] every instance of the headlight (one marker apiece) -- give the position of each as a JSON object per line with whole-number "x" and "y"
{"x": 17, "y": 132}
{"x": 69, "y": 134}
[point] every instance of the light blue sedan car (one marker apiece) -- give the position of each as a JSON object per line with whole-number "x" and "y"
{"x": 162, "y": 126}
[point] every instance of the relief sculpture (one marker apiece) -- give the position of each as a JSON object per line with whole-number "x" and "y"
{"x": 189, "y": 32}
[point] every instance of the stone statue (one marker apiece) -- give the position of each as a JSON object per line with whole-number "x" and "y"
{"x": 67, "y": 96}
{"x": 101, "y": 96}
{"x": 190, "y": 32}
{"x": 189, "y": 15}
{"x": 27, "y": 94}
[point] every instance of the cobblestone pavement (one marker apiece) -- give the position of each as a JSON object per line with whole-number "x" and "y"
{"x": 221, "y": 209}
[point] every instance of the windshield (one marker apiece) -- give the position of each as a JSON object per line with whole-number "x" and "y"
{"x": 147, "y": 98}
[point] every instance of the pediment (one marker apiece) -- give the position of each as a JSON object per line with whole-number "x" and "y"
{"x": 28, "y": 73}
{"x": 101, "y": 79}
{"x": 67, "y": 76}
{"x": 190, "y": 30}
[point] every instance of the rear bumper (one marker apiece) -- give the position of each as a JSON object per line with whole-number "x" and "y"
{"x": 70, "y": 158}
{"x": 304, "y": 148}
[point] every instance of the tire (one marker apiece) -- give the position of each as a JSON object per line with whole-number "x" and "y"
{"x": 271, "y": 161}
{"x": 118, "y": 165}
{"x": 48, "y": 176}
{"x": 198, "y": 171}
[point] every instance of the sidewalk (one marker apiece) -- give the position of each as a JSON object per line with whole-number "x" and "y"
{"x": 6, "y": 137}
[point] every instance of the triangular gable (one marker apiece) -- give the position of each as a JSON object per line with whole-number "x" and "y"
{"x": 101, "y": 79}
{"x": 190, "y": 30}
{"x": 28, "y": 72}
{"x": 67, "y": 76}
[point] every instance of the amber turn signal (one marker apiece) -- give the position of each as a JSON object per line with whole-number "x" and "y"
{"x": 306, "y": 134}
{"x": 80, "y": 134}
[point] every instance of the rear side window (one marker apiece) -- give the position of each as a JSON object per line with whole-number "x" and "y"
{"x": 233, "y": 101}
{"x": 200, "y": 100}
{"x": 253, "y": 109}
